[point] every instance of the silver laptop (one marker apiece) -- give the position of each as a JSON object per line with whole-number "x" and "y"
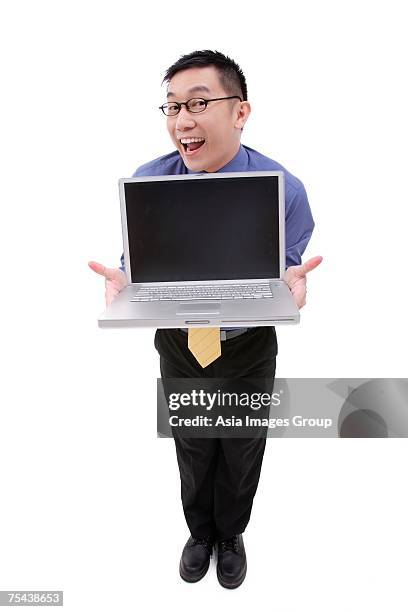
{"x": 203, "y": 250}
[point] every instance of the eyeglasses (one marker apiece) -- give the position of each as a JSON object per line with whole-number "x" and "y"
{"x": 194, "y": 105}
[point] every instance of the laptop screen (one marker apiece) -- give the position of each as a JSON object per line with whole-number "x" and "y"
{"x": 203, "y": 229}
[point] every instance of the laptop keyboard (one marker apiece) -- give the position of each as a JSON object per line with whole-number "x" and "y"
{"x": 202, "y": 292}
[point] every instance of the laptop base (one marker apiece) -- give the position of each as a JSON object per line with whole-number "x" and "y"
{"x": 278, "y": 310}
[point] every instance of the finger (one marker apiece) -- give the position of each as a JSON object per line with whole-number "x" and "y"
{"x": 311, "y": 264}
{"x": 97, "y": 267}
{"x": 110, "y": 296}
{"x": 113, "y": 274}
{"x": 110, "y": 288}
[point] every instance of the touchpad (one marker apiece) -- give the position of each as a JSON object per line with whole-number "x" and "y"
{"x": 199, "y": 308}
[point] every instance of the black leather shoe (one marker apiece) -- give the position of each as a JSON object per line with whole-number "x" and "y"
{"x": 231, "y": 565}
{"x": 195, "y": 558}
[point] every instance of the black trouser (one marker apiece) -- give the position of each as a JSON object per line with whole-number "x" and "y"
{"x": 219, "y": 476}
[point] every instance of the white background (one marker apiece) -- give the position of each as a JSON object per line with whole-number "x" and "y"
{"x": 89, "y": 497}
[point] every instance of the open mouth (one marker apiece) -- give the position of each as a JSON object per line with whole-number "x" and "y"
{"x": 192, "y": 145}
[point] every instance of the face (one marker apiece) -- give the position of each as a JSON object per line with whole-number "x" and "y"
{"x": 219, "y": 124}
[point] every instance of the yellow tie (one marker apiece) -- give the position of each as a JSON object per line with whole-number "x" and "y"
{"x": 205, "y": 344}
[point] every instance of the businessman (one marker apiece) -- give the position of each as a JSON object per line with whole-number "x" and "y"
{"x": 206, "y": 110}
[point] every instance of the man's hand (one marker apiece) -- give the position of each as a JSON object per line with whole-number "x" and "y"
{"x": 295, "y": 278}
{"x": 115, "y": 280}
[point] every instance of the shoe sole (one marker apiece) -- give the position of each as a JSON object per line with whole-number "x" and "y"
{"x": 188, "y": 578}
{"x": 231, "y": 585}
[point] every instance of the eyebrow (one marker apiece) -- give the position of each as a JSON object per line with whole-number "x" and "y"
{"x": 202, "y": 88}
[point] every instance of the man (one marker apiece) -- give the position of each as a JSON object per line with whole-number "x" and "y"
{"x": 206, "y": 111}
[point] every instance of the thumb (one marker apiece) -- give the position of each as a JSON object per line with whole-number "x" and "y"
{"x": 109, "y": 273}
{"x": 311, "y": 264}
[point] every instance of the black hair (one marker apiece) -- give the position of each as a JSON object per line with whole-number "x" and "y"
{"x": 231, "y": 76}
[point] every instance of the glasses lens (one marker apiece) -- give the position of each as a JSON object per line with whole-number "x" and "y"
{"x": 196, "y": 105}
{"x": 170, "y": 108}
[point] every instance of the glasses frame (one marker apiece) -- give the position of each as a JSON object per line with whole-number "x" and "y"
{"x": 180, "y": 104}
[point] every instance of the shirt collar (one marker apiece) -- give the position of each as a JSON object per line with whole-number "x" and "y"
{"x": 238, "y": 163}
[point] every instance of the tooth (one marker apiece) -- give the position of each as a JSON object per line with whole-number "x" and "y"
{"x": 189, "y": 140}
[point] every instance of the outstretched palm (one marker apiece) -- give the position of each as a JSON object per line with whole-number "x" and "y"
{"x": 115, "y": 280}
{"x": 295, "y": 278}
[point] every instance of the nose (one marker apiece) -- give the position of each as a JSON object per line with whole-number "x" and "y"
{"x": 184, "y": 120}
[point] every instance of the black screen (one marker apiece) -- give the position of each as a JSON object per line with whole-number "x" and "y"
{"x": 203, "y": 229}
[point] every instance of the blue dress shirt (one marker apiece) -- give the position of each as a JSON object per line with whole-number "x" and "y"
{"x": 299, "y": 222}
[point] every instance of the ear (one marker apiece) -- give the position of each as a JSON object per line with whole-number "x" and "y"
{"x": 244, "y": 110}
